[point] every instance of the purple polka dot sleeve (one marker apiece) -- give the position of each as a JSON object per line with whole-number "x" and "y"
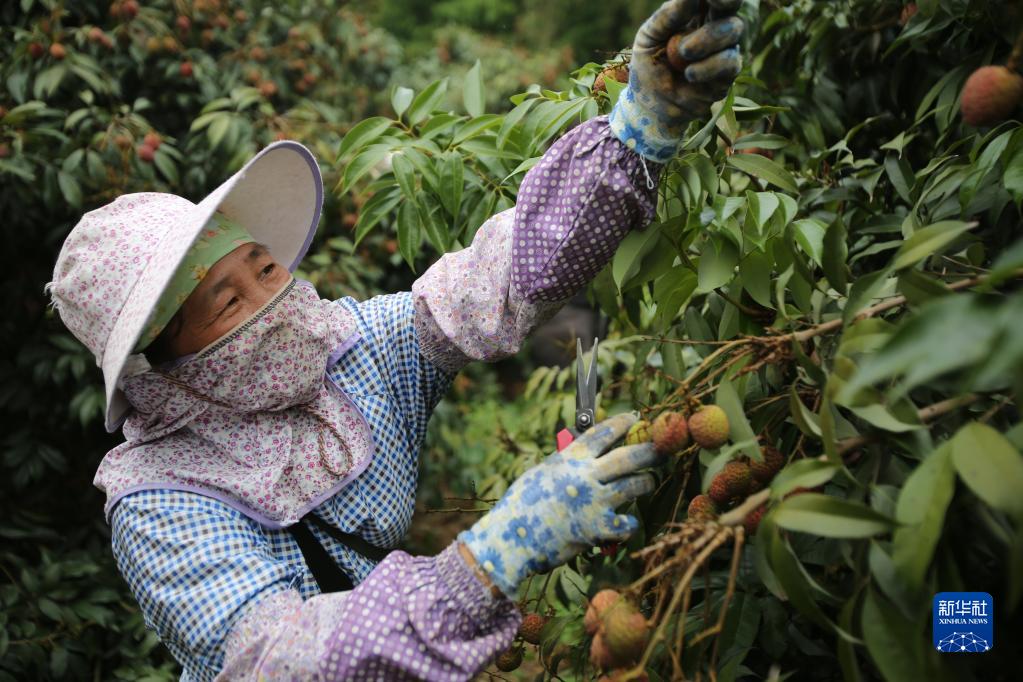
{"x": 412, "y": 618}
{"x": 574, "y": 208}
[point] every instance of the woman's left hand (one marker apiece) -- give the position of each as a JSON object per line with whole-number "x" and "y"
{"x": 661, "y": 99}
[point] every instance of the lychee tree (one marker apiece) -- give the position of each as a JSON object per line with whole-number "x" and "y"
{"x": 834, "y": 267}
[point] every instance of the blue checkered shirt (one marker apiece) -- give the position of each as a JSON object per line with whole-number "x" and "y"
{"x": 193, "y": 562}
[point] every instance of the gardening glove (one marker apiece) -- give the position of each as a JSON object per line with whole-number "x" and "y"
{"x": 654, "y": 109}
{"x": 563, "y": 506}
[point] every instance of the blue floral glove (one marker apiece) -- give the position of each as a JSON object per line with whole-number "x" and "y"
{"x": 563, "y": 506}
{"x": 654, "y": 109}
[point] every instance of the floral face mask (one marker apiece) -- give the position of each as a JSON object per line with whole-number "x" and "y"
{"x": 252, "y": 418}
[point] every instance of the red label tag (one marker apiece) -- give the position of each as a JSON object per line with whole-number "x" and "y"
{"x": 565, "y": 439}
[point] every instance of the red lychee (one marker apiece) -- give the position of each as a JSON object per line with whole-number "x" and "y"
{"x": 146, "y": 153}
{"x": 752, "y": 520}
{"x": 186, "y": 69}
{"x": 702, "y": 508}
{"x": 990, "y": 95}
{"x": 618, "y": 73}
{"x": 732, "y": 482}
{"x": 669, "y": 432}
{"x": 532, "y": 625}
{"x": 767, "y": 469}
{"x": 625, "y": 633}
{"x": 58, "y": 51}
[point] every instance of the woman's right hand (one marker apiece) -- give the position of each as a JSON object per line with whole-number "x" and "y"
{"x": 563, "y": 506}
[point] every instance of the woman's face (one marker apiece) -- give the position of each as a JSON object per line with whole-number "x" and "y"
{"x": 237, "y": 286}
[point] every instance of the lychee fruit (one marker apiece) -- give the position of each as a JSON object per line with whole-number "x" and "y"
{"x": 129, "y": 9}
{"x": 598, "y": 605}
{"x": 36, "y": 50}
{"x": 702, "y": 508}
{"x": 773, "y": 462}
{"x": 625, "y": 633}
{"x": 532, "y": 626}
{"x": 509, "y": 660}
{"x": 268, "y": 89}
{"x": 600, "y": 655}
{"x": 58, "y": 51}
{"x": 709, "y": 427}
{"x": 752, "y": 520}
{"x": 5, "y": 150}
{"x": 186, "y": 69}
{"x": 96, "y": 34}
{"x": 669, "y": 432}
{"x": 146, "y": 153}
{"x": 183, "y": 23}
{"x": 674, "y": 58}
{"x": 908, "y": 12}
{"x": 153, "y": 139}
{"x": 731, "y": 482}
{"x": 990, "y": 95}
{"x": 618, "y": 73}
{"x": 638, "y": 433}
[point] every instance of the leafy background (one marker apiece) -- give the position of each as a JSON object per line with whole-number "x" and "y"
{"x": 835, "y": 262}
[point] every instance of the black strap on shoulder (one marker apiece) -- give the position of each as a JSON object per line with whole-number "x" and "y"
{"x": 328, "y": 574}
{"x": 352, "y": 542}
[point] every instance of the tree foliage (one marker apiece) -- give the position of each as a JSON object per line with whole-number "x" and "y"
{"x": 835, "y": 262}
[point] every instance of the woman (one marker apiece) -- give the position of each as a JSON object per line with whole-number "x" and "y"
{"x": 272, "y": 438}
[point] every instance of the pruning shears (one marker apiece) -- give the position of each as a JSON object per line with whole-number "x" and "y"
{"x": 585, "y": 396}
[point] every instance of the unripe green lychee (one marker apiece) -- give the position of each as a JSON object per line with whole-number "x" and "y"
{"x": 509, "y": 660}
{"x": 532, "y": 625}
{"x": 773, "y": 462}
{"x": 625, "y": 632}
{"x": 990, "y": 95}
{"x": 638, "y": 433}
{"x": 752, "y": 520}
{"x": 709, "y": 427}
{"x": 732, "y": 482}
{"x": 702, "y": 508}
{"x": 669, "y": 432}
{"x": 601, "y": 602}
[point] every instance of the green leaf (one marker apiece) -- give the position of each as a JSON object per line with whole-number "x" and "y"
{"x": 630, "y": 254}
{"x": 165, "y": 164}
{"x": 830, "y": 517}
{"x": 410, "y": 232}
{"x": 764, "y": 168}
{"x": 717, "y": 262}
{"x": 921, "y": 509}
{"x": 892, "y": 640}
{"x": 789, "y": 571}
{"x": 400, "y": 99}
{"x": 990, "y": 466}
{"x": 451, "y": 182}
{"x": 803, "y": 473}
{"x": 363, "y": 163}
{"x": 374, "y": 210}
{"x": 835, "y": 253}
{"x": 739, "y": 428}
{"x": 810, "y": 235}
{"x": 901, "y": 175}
{"x": 405, "y": 175}
{"x": 70, "y": 188}
{"x": 437, "y": 232}
{"x": 805, "y": 420}
{"x": 472, "y": 91}
{"x": 863, "y": 292}
{"x": 929, "y": 241}
{"x": 426, "y": 101}
{"x": 364, "y": 133}
{"x": 476, "y": 127}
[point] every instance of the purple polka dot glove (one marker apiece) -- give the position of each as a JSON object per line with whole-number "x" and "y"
{"x": 563, "y": 506}
{"x": 652, "y": 112}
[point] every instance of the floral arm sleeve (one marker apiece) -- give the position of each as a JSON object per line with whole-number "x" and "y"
{"x": 574, "y": 208}
{"x": 413, "y": 618}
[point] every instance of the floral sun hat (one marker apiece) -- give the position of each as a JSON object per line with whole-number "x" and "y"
{"x": 119, "y": 258}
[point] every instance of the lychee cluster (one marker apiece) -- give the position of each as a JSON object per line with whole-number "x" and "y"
{"x": 529, "y": 632}
{"x": 620, "y": 632}
{"x": 671, "y": 432}
{"x": 733, "y": 483}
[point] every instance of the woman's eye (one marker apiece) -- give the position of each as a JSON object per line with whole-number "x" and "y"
{"x": 268, "y": 269}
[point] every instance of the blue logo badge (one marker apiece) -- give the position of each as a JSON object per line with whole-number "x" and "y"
{"x": 963, "y": 622}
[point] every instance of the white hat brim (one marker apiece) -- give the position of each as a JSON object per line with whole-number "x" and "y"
{"x": 277, "y": 196}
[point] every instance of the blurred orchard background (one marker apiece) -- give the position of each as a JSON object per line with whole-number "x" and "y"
{"x": 837, "y": 195}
